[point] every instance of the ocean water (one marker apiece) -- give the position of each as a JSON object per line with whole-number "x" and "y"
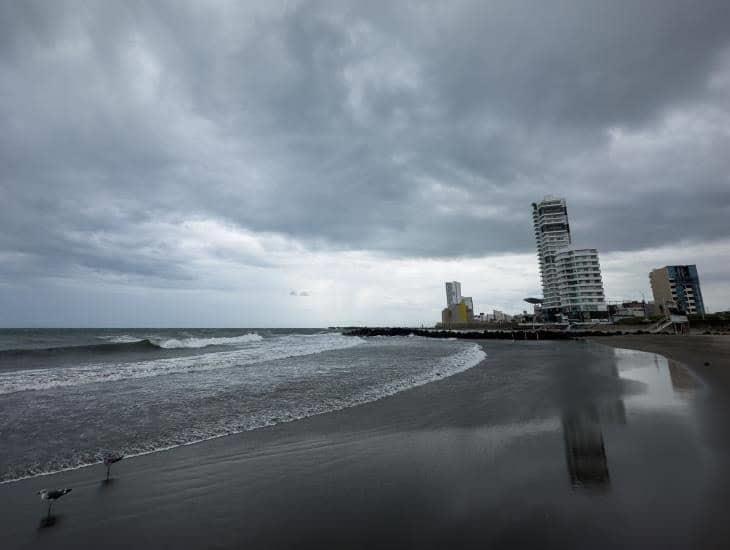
{"x": 67, "y": 397}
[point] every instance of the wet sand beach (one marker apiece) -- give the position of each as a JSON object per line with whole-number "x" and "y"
{"x": 708, "y": 357}
{"x": 693, "y": 351}
{"x": 543, "y": 444}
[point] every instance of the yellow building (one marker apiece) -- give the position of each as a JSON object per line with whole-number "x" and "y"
{"x": 459, "y": 313}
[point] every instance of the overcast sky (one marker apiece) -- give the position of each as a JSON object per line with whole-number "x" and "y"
{"x": 321, "y": 163}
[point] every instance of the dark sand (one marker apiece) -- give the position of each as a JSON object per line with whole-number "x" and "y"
{"x": 542, "y": 445}
{"x": 708, "y": 357}
{"x": 693, "y": 351}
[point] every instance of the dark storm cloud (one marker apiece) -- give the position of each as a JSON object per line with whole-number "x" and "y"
{"x": 419, "y": 129}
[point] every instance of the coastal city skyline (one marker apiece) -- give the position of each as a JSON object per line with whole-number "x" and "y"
{"x": 153, "y": 180}
{"x": 553, "y": 237}
{"x": 572, "y": 285}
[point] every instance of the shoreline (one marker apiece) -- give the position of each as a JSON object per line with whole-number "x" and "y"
{"x": 424, "y": 467}
{"x": 466, "y": 362}
{"x": 157, "y": 476}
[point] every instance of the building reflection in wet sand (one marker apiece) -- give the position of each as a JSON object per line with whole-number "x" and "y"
{"x": 585, "y": 451}
{"x": 682, "y": 381}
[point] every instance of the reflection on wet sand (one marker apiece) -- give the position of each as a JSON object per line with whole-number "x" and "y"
{"x": 585, "y": 451}
{"x": 682, "y": 381}
{"x": 667, "y": 384}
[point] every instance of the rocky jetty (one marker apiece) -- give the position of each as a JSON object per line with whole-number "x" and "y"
{"x": 517, "y": 334}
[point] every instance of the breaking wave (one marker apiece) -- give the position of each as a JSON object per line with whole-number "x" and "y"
{"x": 270, "y": 400}
{"x": 174, "y": 343}
{"x": 126, "y": 343}
{"x": 262, "y": 350}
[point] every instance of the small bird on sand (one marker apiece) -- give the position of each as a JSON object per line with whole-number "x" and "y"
{"x": 111, "y": 459}
{"x": 52, "y": 495}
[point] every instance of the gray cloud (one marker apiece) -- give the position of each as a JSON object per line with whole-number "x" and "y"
{"x": 410, "y": 129}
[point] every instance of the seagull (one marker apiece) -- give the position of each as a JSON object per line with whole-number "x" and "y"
{"x": 52, "y": 495}
{"x": 109, "y": 460}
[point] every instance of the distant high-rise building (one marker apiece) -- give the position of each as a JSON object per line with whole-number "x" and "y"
{"x": 552, "y": 233}
{"x": 677, "y": 287}
{"x": 453, "y": 293}
{"x": 572, "y": 286}
{"x": 459, "y": 309}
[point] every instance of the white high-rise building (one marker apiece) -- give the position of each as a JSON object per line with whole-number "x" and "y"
{"x": 453, "y": 293}
{"x": 571, "y": 278}
{"x": 552, "y": 233}
{"x": 579, "y": 282}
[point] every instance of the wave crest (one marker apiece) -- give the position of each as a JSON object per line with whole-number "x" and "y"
{"x": 126, "y": 343}
{"x": 175, "y": 343}
{"x": 267, "y": 350}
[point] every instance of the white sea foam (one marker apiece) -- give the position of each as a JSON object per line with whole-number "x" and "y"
{"x": 262, "y": 350}
{"x": 185, "y": 343}
{"x": 174, "y": 343}
{"x": 448, "y": 366}
{"x": 122, "y": 339}
{"x": 410, "y": 370}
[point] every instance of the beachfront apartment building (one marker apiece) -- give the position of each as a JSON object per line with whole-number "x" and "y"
{"x": 571, "y": 277}
{"x": 579, "y": 283}
{"x": 677, "y": 287}
{"x": 552, "y": 233}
